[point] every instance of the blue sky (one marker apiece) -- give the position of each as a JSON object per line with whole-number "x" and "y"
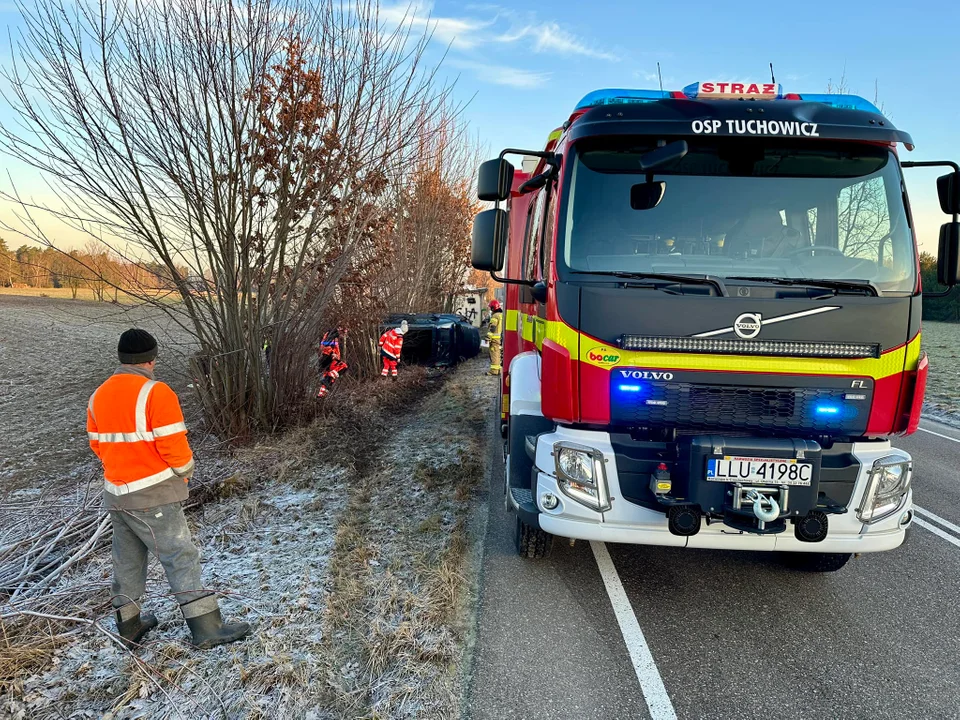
{"x": 526, "y": 68}
{"x": 523, "y": 68}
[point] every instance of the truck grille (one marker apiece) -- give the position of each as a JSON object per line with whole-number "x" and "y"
{"x": 786, "y": 410}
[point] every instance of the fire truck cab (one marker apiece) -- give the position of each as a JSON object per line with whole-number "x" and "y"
{"x": 712, "y": 322}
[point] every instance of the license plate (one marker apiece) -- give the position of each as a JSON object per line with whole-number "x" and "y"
{"x": 772, "y": 471}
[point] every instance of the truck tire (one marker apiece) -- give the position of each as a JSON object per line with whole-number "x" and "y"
{"x": 532, "y": 543}
{"x": 817, "y": 562}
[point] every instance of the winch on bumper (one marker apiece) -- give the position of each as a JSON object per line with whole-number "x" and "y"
{"x": 712, "y": 491}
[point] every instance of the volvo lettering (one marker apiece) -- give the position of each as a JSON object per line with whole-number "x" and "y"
{"x": 646, "y": 374}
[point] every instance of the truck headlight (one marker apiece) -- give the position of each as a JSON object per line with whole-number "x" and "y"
{"x": 887, "y": 487}
{"x": 581, "y": 475}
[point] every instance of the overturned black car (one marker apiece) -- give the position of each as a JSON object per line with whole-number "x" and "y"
{"x": 436, "y": 340}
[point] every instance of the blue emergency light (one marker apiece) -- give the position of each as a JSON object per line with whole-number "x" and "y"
{"x": 844, "y": 102}
{"x": 631, "y": 388}
{"x": 725, "y": 90}
{"x": 622, "y": 96}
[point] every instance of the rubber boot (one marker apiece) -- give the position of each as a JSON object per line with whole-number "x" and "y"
{"x": 131, "y": 631}
{"x": 210, "y": 630}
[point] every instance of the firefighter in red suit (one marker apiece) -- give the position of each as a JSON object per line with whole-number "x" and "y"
{"x": 330, "y": 361}
{"x": 391, "y": 343}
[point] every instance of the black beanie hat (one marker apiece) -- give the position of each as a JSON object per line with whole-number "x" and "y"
{"x": 136, "y": 346}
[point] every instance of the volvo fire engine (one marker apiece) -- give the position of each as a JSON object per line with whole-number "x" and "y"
{"x": 712, "y": 325}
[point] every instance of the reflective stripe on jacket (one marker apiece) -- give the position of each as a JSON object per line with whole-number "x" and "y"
{"x": 495, "y": 333}
{"x": 391, "y": 342}
{"x": 136, "y": 428}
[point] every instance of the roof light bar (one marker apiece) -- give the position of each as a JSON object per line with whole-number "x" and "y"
{"x": 780, "y": 348}
{"x": 843, "y": 102}
{"x": 721, "y": 91}
{"x": 620, "y": 96}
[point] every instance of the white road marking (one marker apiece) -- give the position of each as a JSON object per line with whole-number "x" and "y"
{"x": 937, "y": 519}
{"x": 945, "y": 437}
{"x": 651, "y": 684}
{"x": 937, "y": 531}
{"x": 932, "y": 516}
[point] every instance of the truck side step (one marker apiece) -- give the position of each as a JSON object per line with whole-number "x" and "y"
{"x": 522, "y": 501}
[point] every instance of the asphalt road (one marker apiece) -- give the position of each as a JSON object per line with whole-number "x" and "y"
{"x": 714, "y": 634}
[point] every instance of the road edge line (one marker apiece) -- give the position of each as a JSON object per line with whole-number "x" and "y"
{"x": 937, "y": 519}
{"x": 936, "y": 531}
{"x": 651, "y": 684}
{"x": 939, "y": 435}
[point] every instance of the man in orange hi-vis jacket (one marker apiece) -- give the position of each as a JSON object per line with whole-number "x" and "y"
{"x": 391, "y": 343}
{"x": 136, "y": 428}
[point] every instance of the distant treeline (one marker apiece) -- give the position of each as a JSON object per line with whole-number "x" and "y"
{"x": 94, "y": 268}
{"x": 945, "y": 309}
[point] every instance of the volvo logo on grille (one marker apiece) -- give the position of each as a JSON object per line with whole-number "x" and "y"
{"x": 747, "y": 325}
{"x": 646, "y": 375}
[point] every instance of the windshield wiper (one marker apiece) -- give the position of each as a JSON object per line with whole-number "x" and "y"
{"x": 711, "y": 280}
{"x": 864, "y": 286}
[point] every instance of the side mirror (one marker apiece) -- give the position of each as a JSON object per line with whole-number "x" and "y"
{"x": 489, "y": 239}
{"x": 948, "y": 259}
{"x": 948, "y": 187}
{"x": 539, "y": 292}
{"x": 494, "y": 180}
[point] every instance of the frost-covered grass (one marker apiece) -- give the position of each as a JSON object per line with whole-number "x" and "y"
{"x": 346, "y": 544}
{"x": 942, "y": 343}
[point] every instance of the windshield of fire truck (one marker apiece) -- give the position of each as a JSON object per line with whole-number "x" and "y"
{"x": 734, "y": 207}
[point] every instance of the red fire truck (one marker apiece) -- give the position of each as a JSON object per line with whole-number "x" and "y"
{"x": 712, "y": 322}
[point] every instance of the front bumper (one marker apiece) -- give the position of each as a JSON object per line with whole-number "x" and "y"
{"x": 627, "y": 522}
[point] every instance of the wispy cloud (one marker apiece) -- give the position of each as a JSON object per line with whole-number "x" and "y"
{"x": 484, "y": 24}
{"x": 504, "y": 74}
{"x": 464, "y": 33}
{"x": 550, "y": 37}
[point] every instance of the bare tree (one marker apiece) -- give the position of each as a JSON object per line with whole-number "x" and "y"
{"x": 862, "y": 213}
{"x": 435, "y": 210}
{"x": 8, "y": 265}
{"x": 96, "y": 268}
{"x": 70, "y": 271}
{"x": 864, "y": 219}
{"x": 242, "y": 142}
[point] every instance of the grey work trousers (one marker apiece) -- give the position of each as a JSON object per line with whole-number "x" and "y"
{"x": 163, "y": 531}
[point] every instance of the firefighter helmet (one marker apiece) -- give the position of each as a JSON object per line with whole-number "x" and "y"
{"x": 494, "y": 304}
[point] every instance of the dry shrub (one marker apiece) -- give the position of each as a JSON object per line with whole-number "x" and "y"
{"x": 26, "y": 647}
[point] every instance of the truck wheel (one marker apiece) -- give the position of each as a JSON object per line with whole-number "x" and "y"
{"x": 532, "y": 543}
{"x": 817, "y": 562}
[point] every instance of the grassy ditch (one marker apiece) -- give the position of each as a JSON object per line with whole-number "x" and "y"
{"x": 347, "y": 545}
